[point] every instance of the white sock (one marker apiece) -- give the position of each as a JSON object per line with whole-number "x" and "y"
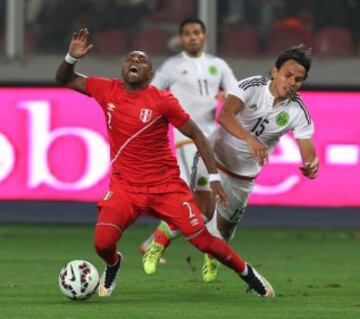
{"x": 245, "y": 271}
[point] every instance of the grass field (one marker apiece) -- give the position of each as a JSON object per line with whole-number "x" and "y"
{"x": 316, "y": 274}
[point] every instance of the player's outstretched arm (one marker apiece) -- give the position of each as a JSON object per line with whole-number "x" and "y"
{"x": 310, "y": 161}
{"x": 191, "y": 130}
{"x": 227, "y": 119}
{"x": 78, "y": 47}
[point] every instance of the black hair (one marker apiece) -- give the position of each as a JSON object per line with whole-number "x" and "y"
{"x": 300, "y": 53}
{"x": 192, "y": 20}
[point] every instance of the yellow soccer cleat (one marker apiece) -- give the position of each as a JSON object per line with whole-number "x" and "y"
{"x": 151, "y": 257}
{"x": 210, "y": 269}
{"x": 144, "y": 247}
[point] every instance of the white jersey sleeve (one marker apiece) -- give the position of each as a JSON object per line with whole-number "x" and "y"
{"x": 303, "y": 126}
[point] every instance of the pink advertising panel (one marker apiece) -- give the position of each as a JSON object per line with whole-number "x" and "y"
{"x": 53, "y": 146}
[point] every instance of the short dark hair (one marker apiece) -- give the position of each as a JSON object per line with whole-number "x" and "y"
{"x": 300, "y": 53}
{"x": 192, "y": 20}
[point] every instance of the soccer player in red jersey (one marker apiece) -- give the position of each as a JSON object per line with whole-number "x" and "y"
{"x": 144, "y": 172}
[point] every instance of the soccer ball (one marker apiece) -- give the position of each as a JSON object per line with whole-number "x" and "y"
{"x": 78, "y": 280}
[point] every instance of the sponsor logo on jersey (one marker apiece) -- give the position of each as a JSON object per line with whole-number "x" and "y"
{"x": 184, "y": 72}
{"x": 145, "y": 115}
{"x": 213, "y": 70}
{"x": 253, "y": 106}
{"x": 282, "y": 119}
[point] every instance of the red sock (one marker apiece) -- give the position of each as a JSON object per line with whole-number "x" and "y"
{"x": 220, "y": 250}
{"x": 160, "y": 237}
{"x": 106, "y": 237}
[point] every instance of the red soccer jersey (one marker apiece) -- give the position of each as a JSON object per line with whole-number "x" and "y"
{"x": 137, "y": 124}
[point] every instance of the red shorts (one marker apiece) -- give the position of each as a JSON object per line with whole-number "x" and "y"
{"x": 172, "y": 202}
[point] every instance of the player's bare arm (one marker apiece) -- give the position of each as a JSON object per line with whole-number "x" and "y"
{"x": 79, "y": 46}
{"x": 227, "y": 119}
{"x": 310, "y": 161}
{"x": 191, "y": 130}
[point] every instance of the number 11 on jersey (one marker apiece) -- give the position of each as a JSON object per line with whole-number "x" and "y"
{"x": 203, "y": 87}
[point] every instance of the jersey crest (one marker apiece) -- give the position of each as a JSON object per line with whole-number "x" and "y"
{"x": 145, "y": 115}
{"x": 282, "y": 119}
{"x": 213, "y": 70}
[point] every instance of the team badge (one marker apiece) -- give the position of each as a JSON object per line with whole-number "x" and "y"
{"x": 213, "y": 70}
{"x": 145, "y": 115}
{"x": 202, "y": 181}
{"x": 282, "y": 119}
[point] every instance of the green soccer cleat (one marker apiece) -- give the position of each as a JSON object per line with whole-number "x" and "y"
{"x": 151, "y": 257}
{"x": 210, "y": 269}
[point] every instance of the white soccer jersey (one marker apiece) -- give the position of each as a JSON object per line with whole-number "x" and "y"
{"x": 195, "y": 82}
{"x": 263, "y": 120}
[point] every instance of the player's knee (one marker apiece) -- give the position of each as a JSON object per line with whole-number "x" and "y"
{"x": 103, "y": 247}
{"x": 105, "y": 240}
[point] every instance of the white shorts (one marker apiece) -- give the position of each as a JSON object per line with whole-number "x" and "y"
{"x": 237, "y": 190}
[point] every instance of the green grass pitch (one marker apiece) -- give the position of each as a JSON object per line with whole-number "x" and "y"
{"x": 316, "y": 274}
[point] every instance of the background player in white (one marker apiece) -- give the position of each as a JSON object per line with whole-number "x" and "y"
{"x": 194, "y": 78}
{"x": 254, "y": 117}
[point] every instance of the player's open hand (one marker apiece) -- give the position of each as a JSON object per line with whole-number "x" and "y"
{"x": 219, "y": 193}
{"x": 258, "y": 149}
{"x": 79, "y": 45}
{"x": 310, "y": 170}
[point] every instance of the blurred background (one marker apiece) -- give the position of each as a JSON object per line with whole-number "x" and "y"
{"x": 248, "y": 33}
{"x": 53, "y": 149}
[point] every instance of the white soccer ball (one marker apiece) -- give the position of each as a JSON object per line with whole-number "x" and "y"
{"x": 78, "y": 279}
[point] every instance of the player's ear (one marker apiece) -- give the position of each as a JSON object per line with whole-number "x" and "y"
{"x": 206, "y": 37}
{"x": 274, "y": 71}
{"x": 150, "y": 76}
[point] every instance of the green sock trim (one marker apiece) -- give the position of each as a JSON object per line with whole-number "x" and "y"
{"x": 163, "y": 226}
